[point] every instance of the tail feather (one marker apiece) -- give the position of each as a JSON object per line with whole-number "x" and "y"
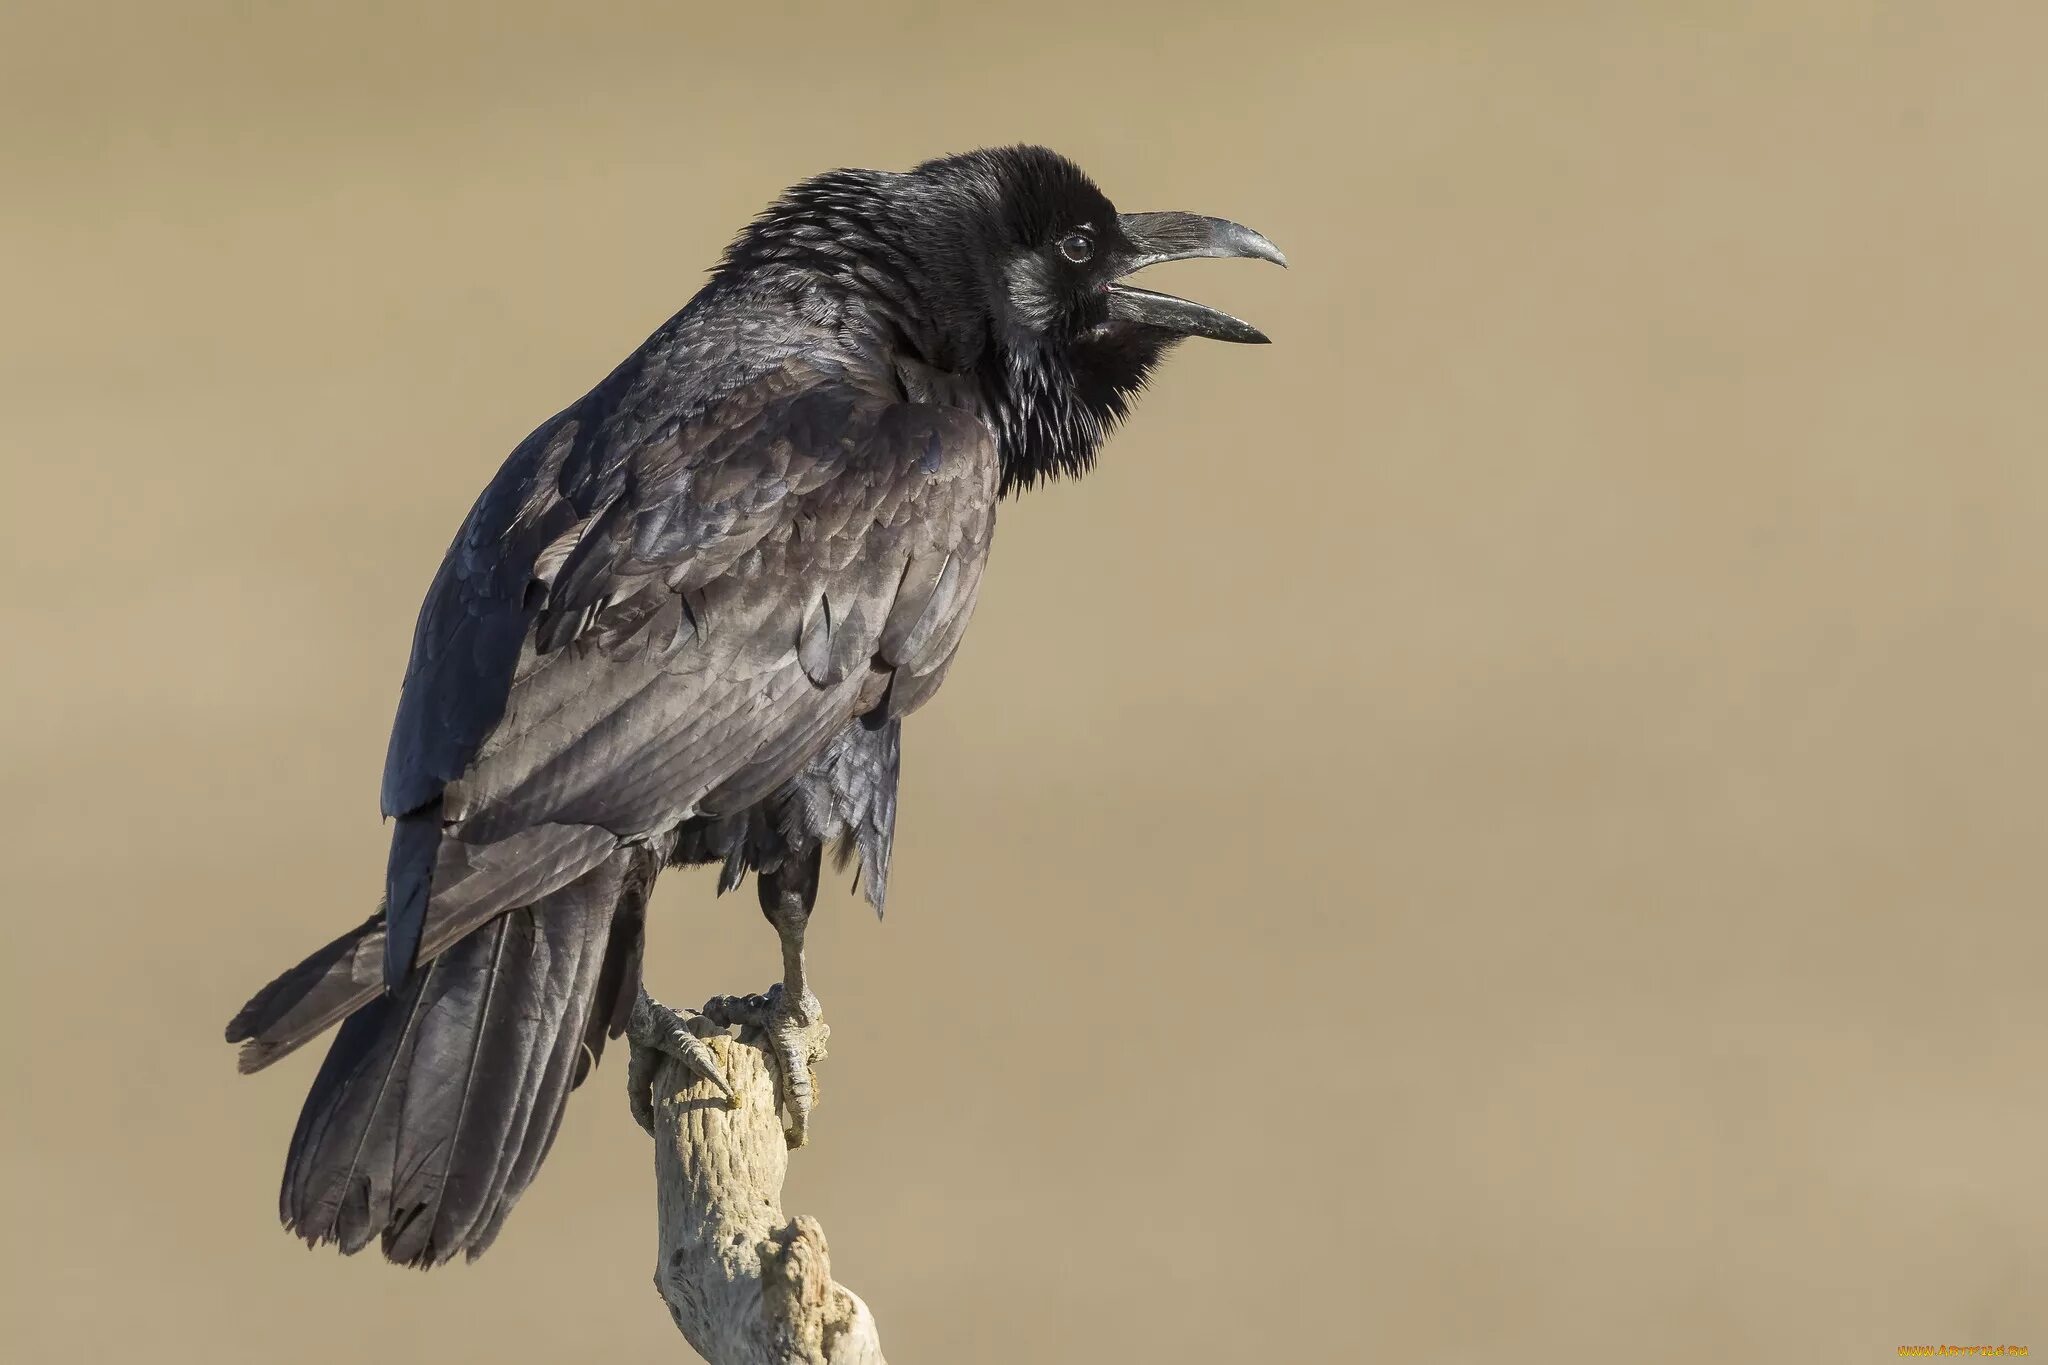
{"x": 619, "y": 981}
{"x": 438, "y": 1101}
{"x": 312, "y": 997}
{"x": 455, "y": 1174}
{"x": 472, "y": 885}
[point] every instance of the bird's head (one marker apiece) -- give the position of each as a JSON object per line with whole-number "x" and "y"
{"x": 1030, "y": 262}
{"x": 1009, "y": 266}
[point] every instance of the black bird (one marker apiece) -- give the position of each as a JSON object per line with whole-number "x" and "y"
{"x": 683, "y": 625}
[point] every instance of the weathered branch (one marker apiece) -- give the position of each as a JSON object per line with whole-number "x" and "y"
{"x": 746, "y": 1284}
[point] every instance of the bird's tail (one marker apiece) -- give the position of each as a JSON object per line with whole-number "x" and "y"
{"x": 438, "y": 1101}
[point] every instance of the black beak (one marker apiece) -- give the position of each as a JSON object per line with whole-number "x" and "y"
{"x": 1157, "y": 237}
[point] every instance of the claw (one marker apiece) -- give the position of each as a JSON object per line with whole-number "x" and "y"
{"x": 657, "y": 1031}
{"x": 796, "y": 1035}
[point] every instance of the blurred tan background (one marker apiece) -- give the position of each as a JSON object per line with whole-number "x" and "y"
{"x": 1546, "y": 861}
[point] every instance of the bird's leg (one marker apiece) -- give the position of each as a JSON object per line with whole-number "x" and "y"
{"x": 656, "y": 1031}
{"x": 788, "y": 1014}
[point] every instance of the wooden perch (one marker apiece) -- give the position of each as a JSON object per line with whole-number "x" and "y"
{"x": 746, "y": 1284}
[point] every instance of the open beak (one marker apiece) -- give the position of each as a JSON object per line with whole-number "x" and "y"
{"x": 1157, "y": 237}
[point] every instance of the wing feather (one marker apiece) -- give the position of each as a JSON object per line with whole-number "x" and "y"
{"x": 623, "y": 638}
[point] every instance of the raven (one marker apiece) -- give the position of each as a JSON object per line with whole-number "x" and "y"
{"x": 683, "y": 626}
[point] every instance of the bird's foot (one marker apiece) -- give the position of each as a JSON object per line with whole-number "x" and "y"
{"x": 657, "y": 1031}
{"x": 794, "y": 1026}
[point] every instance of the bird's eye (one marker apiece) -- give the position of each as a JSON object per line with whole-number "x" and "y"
{"x": 1077, "y": 247}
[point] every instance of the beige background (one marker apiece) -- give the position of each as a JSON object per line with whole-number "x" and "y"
{"x": 1508, "y": 825}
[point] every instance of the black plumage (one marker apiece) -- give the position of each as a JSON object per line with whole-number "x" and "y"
{"x": 683, "y": 625}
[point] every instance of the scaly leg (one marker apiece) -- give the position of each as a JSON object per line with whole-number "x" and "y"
{"x": 788, "y": 1014}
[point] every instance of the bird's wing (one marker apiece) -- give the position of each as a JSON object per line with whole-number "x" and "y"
{"x": 620, "y": 639}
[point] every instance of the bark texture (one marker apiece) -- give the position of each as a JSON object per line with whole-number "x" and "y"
{"x": 745, "y": 1283}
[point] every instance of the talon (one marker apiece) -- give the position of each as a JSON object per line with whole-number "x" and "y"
{"x": 655, "y": 1030}
{"x": 795, "y": 1035}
